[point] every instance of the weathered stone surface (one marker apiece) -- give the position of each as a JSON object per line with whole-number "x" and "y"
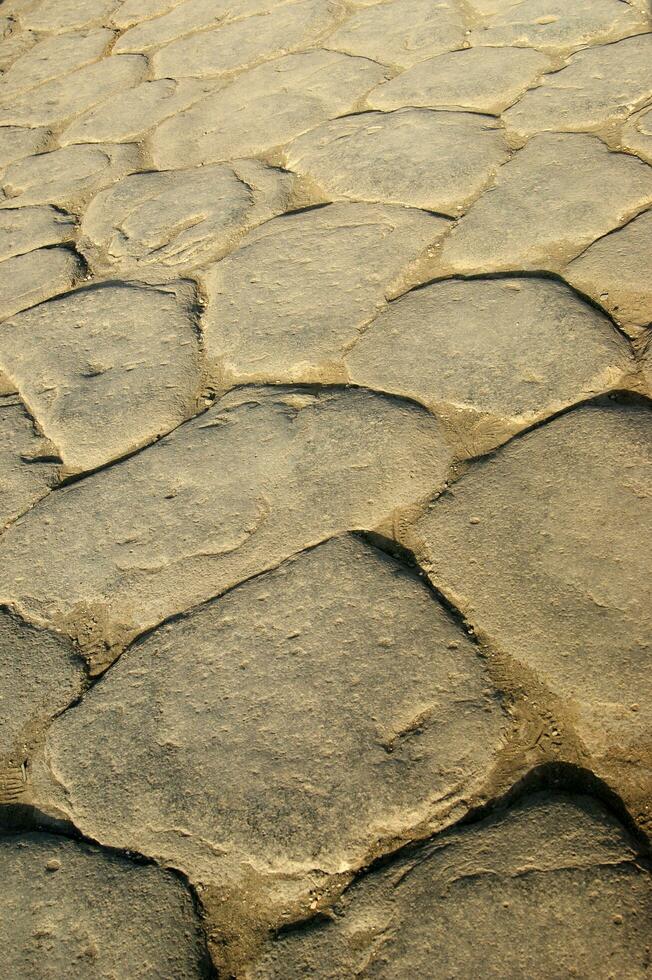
{"x": 17, "y": 143}
{"x": 492, "y": 355}
{"x": 248, "y": 42}
{"x": 233, "y": 492}
{"x": 551, "y": 888}
{"x": 27, "y": 467}
{"x": 163, "y": 223}
{"x": 484, "y": 79}
{"x": 24, "y": 229}
{"x": 401, "y": 32}
{"x": 636, "y": 134}
{"x": 67, "y": 176}
{"x": 132, "y": 12}
{"x": 433, "y": 160}
{"x": 599, "y": 86}
{"x": 66, "y": 15}
{"x": 554, "y": 25}
{"x": 14, "y": 45}
{"x": 36, "y": 276}
{"x": 543, "y": 209}
{"x": 71, "y": 910}
{"x": 646, "y": 363}
{"x": 52, "y": 58}
{"x": 326, "y": 706}
{"x": 283, "y": 99}
{"x": 286, "y": 305}
{"x": 615, "y": 271}
{"x": 106, "y": 369}
{"x": 516, "y": 545}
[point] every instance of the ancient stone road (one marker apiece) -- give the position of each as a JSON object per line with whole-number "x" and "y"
{"x": 325, "y": 374}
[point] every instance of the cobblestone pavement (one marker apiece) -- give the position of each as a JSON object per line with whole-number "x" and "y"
{"x": 324, "y": 486}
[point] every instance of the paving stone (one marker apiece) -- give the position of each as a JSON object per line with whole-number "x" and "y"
{"x": 497, "y": 354}
{"x": 106, "y": 369}
{"x": 52, "y": 58}
{"x": 615, "y": 271}
{"x": 247, "y": 42}
{"x": 327, "y": 705}
{"x": 636, "y": 134}
{"x": 515, "y": 545}
{"x": 483, "y": 79}
{"x": 14, "y": 45}
{"x": 27, "y": 461}
{"x": 646, "y": 363}
{"x": 283, "y": 99}
{"x": 551, "y": 888}
{"x": 287, "y": 304}
{"x": 132, "y": 12}
{"x": 24, "y": 229}
{"x": 71, "y": 910}
{"x": 17, "y": 143}
{"x": 67, "y": 176}
{"x": 401, "y": 32}
{"x": 161, "y": 223}
{"x": 148, "y": 540}
{"x": 66, "y": 15}
{"x": 36, "y": 276}
{"x": 58, "y": 100}
{"x": 599, "y": 86}
{"x": 546, "y": 197}
{"x": 415, "y": 157}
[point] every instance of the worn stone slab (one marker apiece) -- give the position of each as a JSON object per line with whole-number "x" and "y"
{"x": 483, "y": 79}
{"x": 326, "y": 706}
{"x": 15, "y": 44}
{"x": 164, "y": 223}
{"x": 615, "y": 271}
{"x": 636, "y": 134}
{"x": 599, "y": 86}
{"x": 491, "y": 355}
{"x": 283, "y": 98}
{"x": 244, "y": 43}
{"x": 52, "y": 58}
{"x": 24, "y": 229}
{"x": 550, "y": 888}
{"x": 68, "y": 176}
{"x": 132, "y": 12}
{"x": 68, "y": 909}
{"x": 438, "y": 161}
{"x": 37, "y": 276}
{"x": 106, "y": 369}
{"x": 16, "y": 143}
{"x": 226, "y": 496}
{"x": 401, "y": 32}
{"x": 27, "y": 460}
{"x": 287, "y": 304}
{"x": 514, "y": 544}
{"x": 546, "y": 198}
{"x": 66, "y": 15}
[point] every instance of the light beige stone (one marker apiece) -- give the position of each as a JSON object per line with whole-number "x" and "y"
{"x": 544, "y": 208}
{"x": 287, "y": 304}
{"x": 36, "y": 276}
{"x": 24, "y": 229}
{"x": 27, "y": 461}
{"x": 401, "y": 32}
{"x": 106, "y": 369}
{"x": 132, "y": 12}
{"x": 283, "y": 98}
{"x": 483, "y": 79}
{"x": 17, "y": 143}
{"x": 158, "y": 224}
{"x": 646, "y": 363}
{"x": 598, "y": 87}
{"x": 52, "y": 58}
{"x": 636, "y": 134}
{"x": 230, "y": 494}
{"x": 13, "y": 45}
{"x": 438, "y": 161}
{"x": 66, "y": 15}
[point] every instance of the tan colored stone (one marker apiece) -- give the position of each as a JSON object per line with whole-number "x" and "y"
{"x": 52, "y": 58}
{"x": 24, "y": 229}
{"x": 283, "y": 98}
{"x": 71, "y": 910}
{"x": 14, "y": 45}
{"x": 106, "y": 369}
{"x": 551, "y": 888}
{"x": 17, "y": 143}
{"x": 36, "y": 276}
{"x": 286, "y": 305}
{"x": 646, "y": 363}
{"x": 483, "y": 79}
{"x": 132, "y": 12}
{"x": 438, "y": 161}
{"x": 27, "y": 461}
{"x": 544, "y": 209}
{"x": 230, "y": 494}
{"x": 66, "y": 15}
{"x": 636, "y": 134}
{"x": 162, "y": 223}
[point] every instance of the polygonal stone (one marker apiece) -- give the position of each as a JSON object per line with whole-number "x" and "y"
{"x": 162, "y": 223}
{"x": 106, "y": 369}
{"x": 599, "y": 86}
{"x": 515, "y": 544}
{"x": 247, "y": 42}
{"x": 132, "y": 12}
{"x": 423, "y": 159}
{"x": 551, "y": 888}
{"x": 66, "y": 15}
{"x": 545, "y": 198}
{"x": 24, "y": 229}
{"x": 493, "y": 355}
{"x": 71, "y": 910}
{"x": 37, "y": 276}
{"x": 615, "y": 271}
{"x": 287, "y": 304}
{"x": 236, "y": 490}
{"x": 636, "y": 134}
{"x": 484, "y": 79}
{"x": 283, "y": 99}
{"x": 52, "y": 58}
{"x": 401, "y": 32}
{"x": 27, "y": 461}
{"x": 17, "y": 143}
{"x": 326, "y": 705}
{"x": 13, "y": 45}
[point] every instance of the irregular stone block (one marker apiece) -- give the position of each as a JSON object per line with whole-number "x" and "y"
{"x": 66, "y": 15}
{"x": 132, "y": 12}
{"x": 17, "y": 143}
{"x": 24, "y": 229}
{"x": 423, "y": 159}
{"x": 52, "y": 58}
{"x": 37, "y": 276}
{"x": 636, "y": 134}
{"x": 27, "y": 469}
{"x": 14, "y": 45}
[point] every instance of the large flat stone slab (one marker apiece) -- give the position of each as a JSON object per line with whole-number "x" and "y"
{"x": 18, "y": 142}
{"x": 53, "y": 57}
{"x": 66, "y": 15}
{"x": 37, "y": 276}
{"x": 25, "y": 229}
{"x": 27, "y": 460}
